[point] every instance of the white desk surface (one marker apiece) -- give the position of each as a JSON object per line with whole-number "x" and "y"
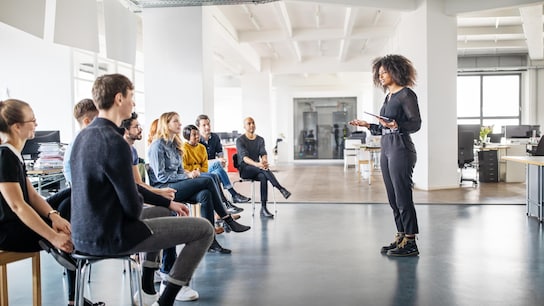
{"x": 533, "y": 160}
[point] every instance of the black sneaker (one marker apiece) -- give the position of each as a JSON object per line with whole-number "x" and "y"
{"x": 407, "y": 247}
{"x": 392, "y": 245}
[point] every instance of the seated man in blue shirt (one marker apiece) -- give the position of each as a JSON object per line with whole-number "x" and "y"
{"x": 216, "y": 162}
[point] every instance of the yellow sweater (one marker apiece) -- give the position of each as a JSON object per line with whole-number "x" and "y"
{"x": 195, "y": 157}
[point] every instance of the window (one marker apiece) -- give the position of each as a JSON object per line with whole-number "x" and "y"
{"x": 493, "y": 99}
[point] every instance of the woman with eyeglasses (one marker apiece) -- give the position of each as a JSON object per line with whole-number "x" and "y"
{"x": 28, "y": 222}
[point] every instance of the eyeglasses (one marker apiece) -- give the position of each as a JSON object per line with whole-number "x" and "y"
{"x": 139, "y": 127}
{"x": 33, "y": 120}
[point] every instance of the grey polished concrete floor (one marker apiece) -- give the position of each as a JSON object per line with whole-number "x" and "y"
{"x": 328, "y": 254}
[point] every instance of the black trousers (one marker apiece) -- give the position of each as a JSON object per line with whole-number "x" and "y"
{"x": 398, "y": 158}
{"x": 264, "y": 176}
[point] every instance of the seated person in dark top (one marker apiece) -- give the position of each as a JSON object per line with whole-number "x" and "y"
{"x": 216, "y": 160}
{"x": 27, "y": 221}
{"x": 253, "y": 163}
{"x": 106, "y": 206}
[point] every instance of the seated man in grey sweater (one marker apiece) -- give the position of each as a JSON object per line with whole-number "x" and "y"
{"x": 107, "y": 207}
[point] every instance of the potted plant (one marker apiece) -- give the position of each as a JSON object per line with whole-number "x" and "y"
{"x": 484, "y": 131}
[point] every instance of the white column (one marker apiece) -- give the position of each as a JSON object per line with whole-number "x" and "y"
{"x": 428, "y": 37}
{"x": 178, "y": 63}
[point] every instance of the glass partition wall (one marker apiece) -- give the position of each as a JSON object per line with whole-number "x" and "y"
{"x": 321, "y": 125}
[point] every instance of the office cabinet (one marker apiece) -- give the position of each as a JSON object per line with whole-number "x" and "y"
{"x": 488, "y": 166}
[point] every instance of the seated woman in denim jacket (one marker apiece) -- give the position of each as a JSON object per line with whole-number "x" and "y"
{"x": 166, "y": 162}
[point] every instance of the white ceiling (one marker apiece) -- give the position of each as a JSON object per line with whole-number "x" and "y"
{"x": 334, "y": 36}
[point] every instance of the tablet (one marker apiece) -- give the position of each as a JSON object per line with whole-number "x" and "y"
{"x": 378, "y": 116}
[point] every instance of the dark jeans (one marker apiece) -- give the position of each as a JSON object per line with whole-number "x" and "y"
{"x": 200, "y": 190}
{"x": 264, "y": 176}
{"x": 397, "y": 162}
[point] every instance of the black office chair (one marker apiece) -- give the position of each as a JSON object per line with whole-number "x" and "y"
{"x": 241, "y": 180}
{"x": 465, "y": 155}
{"x": 539, "y": 148}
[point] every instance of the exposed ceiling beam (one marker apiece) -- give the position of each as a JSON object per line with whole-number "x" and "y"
{"x": 288, "y": 29}
{"x": 532, "y": 26}
{"x": 399, "y": 5}
{"x": 490, "y": 30}
{"x": 454, "y": 7}
{"x": 349, "y": 22}
{"x": 314, "y": 34}
{"x": 227, "y": 31}
{"x": 502, "y": 44}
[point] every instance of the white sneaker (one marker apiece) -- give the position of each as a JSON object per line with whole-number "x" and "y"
{"x": 185, "y": 294}
{"x": 147, "y": 299}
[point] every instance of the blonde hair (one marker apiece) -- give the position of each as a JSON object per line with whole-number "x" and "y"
{"x": 163, "y": 132}
{"x": 152, "y": 131}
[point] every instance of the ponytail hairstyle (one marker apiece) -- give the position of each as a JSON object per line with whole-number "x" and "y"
{"x": 11, "y": 112}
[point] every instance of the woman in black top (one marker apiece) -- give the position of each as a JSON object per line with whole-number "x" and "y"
{"x": 26, "y": 219}
{"x": 399, "y": 117}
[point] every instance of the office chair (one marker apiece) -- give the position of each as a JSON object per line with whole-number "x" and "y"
{"x": 252, "y": 181}
{"x": 539, "y": 148}
{"x": 465, "y": 155}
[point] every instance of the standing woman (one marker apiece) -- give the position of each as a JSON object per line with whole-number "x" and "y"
{"x": 27, "y": 221}
{"x": 400, "y": 118}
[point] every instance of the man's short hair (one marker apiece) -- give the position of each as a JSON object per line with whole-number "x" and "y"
{"x": 125, "y": 124}
{"x": 105, "y": 88}
{"x": 85, "y": 109}
{"x": 201, "y": 117}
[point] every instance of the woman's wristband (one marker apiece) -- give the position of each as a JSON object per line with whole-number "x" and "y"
{"x": 54, "y": 211}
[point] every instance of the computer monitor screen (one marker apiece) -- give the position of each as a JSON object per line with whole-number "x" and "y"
{"x": 471, "y": 128}
{"x": 520, "y": 131}
{"x": 30, "y": 150}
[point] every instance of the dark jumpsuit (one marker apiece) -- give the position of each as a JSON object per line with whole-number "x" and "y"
{"x": 398, "y": 156}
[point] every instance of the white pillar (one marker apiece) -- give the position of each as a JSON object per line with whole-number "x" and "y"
{"x": 178, "y": 63}
{"x": 428, "y": 37}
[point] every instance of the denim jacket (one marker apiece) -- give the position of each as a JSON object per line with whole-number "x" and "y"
{"x": 165, "y": 162}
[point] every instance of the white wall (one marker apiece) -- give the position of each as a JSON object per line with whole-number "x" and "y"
{"x": 38, "y": 72}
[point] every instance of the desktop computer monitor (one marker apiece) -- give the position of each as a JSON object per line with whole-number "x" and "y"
{"x": 520, "y": 131}
{"x": 31, "y": 148}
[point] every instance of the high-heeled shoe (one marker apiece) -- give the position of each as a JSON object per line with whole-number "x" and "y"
{"x": 234, "y": 226}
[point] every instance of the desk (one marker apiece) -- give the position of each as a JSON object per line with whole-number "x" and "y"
{"x": 534, "y": 198}
{"x": 509, "y": 172}
{"x": 45, "y": 177}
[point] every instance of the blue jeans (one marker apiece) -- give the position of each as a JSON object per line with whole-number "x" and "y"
{"x": 197, "y": 234}
{"x": 215, "y": 167}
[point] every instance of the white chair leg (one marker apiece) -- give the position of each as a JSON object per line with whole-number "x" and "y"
{"x": 253, "y": 197}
